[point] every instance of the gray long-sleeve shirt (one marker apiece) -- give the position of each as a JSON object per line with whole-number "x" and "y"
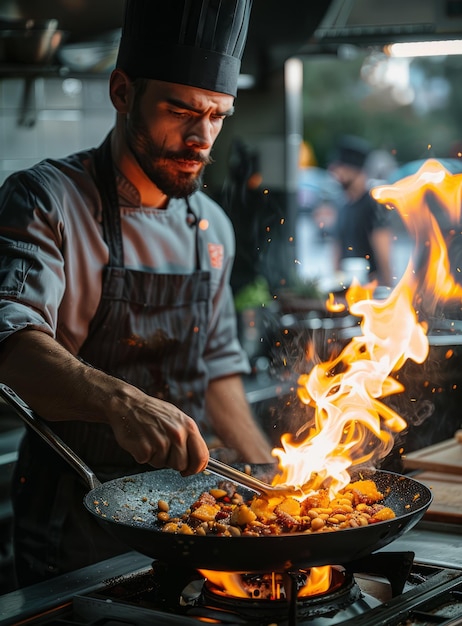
{"x": 52, "y": 254}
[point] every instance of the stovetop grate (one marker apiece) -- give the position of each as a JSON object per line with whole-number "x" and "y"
{"x": 418, "y": 595}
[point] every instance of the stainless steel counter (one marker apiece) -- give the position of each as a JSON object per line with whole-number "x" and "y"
{"x": 433, "y": 544}
{"x": 36, "y": 599}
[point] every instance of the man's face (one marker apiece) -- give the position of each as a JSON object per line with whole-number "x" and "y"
{"x": 344, "y": 173}
{"x": 171, "y": 130}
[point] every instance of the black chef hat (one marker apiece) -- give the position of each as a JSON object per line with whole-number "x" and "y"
{"x": 351, "y": 150}
{"x": 192, "y": 42}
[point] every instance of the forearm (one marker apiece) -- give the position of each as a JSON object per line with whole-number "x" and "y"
{"x": 233, "y": 422}
{"x": 54, "y": 382}
{"x": 60, "y": 387}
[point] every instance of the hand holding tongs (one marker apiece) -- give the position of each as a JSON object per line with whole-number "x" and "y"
{"x": 40, "y": 427}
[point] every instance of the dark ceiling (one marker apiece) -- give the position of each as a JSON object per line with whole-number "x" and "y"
{"x": 278, "y": 28}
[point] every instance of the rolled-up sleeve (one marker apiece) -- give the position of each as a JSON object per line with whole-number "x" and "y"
{"x": 31, "y": 262}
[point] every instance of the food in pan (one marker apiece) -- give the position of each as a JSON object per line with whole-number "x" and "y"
{"x": 223, "y": 511}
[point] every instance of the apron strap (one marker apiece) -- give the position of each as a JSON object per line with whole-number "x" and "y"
{"x": 193, "y": 221}
{"x": 105, "y": 181}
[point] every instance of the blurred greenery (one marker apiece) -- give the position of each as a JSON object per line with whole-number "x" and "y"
{"x": 307, "y": 288}
{"x": 254, "y": 295}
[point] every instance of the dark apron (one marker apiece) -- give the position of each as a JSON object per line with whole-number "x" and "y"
{"x": 150, "y": 330}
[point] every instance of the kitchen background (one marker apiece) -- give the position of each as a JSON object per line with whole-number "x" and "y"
{"x": 297, "y": 92}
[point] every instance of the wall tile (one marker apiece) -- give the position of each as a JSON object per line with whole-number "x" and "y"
{"x": 58, "y": 95}
{"x": 58, "y": 138}
{"x": 16, "y": 141}
{"x": 11, "y": 91}
{"x": 68, "y": 114}
{"x": 95, "y": 126}
{"x": 96, "y": 95}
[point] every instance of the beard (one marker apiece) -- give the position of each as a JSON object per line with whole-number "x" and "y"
{"x": 154, "y": 160}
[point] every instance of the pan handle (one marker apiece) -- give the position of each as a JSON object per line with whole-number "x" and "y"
{"x": 36, "y": 423}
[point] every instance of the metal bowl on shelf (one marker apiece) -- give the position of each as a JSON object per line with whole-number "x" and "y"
{"x": 91, "y": 56}
{"x": 29, "y": 42}
{"x": 88, "y": 57}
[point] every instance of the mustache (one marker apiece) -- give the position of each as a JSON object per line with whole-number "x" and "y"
{"x": 187, "y": 155}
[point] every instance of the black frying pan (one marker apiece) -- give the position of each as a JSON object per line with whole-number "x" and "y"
{"x": 126, "y": 507}
{"x": 133, "y": 522}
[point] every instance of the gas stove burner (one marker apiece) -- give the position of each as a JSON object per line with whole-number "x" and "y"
{"x": 274, "y": 586}
{"x": 271, "y": 595}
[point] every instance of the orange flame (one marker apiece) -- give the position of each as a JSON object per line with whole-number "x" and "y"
{"x": 333, "y": 305}
{"x": 351, "y": 426}
{"x": 355, "y": 292}
{"x": 231, "y": 583}
{"x": 426, "y": 201}
{"x": 318, "y": 581}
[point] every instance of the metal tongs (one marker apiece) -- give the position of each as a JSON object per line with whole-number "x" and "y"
{"x": 250, "y": 482}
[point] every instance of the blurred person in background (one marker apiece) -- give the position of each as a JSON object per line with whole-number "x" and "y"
{"x": 362, "y": 230}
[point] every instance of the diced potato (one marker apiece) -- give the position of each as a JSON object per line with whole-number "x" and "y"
{"x": 290, "y": 506}
{"x": 170, "y": 527}
{"x": 384, "y": 514}
{"x": 205, "y": 512}
{"x": 218, "y": 493}
{"x": 367, "y": 488}
{"x": 242, "y": 515}
{"x": 185, "y": 529}
{"x": 263, "y": 508}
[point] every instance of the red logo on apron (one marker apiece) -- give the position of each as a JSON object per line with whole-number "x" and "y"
{"x": 216, "y": 255}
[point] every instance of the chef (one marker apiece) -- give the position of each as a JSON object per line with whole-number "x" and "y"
{"x": 116, "y": 317}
